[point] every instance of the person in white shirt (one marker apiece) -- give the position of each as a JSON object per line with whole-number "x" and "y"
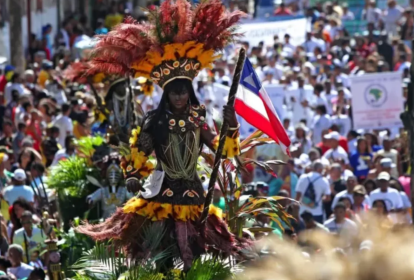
{"x": 18, "y": 189}
{"x": 64, "y": 123}
{"x": 289, "y": 129}
{"x": 372, "y": 14}
{"x": 67, "y": 152}
{"x": 300, "y": 137}
{"x": 14, "y": 84}
{"x": 391, "y": 16}
{"x": 341, "y": 77}
{"x": 339, "y": 224}
{"x": 352, "y": 137}
{"x": 329, "y": 93}
{"x": 311, "y": 43}
{"x": 269, "y": 80}
{"x": 321, "y": 121}
{"x": 287, "y": 46}
{"x": 391, "y": 156}
{"x": 343, "y": 122}
{"x": 272, "y": 67}
{"x": 32, "y": 239}
{"x": 404, "y": 63}
{"x": 390, "y": 196}
{"x": 335, "y": 153}
{"x": 320, "y": 99}
{"x": 351, "y": 183}
{"x": 346, "y": 13}
{"x": 300, "y": 99}
{"x": 18, "y": 268}
{"x": 312, "y": 190}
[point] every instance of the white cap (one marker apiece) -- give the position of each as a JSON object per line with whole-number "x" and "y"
{"x": 384, "y": 176}
{"x": 387, "y": 163}
{"x": 19, "y": 175}
{"x": 332, "y": 135}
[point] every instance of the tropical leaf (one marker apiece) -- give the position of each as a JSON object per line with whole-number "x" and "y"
{"x": 123, "y": 149}
{"x": 93, "y": 181}
{"x": 251, "y": 137}
{"x": 211, "y": 269}
{"x": 69, "y": 176}
{"x": 255, "y": 143}
{"x": 87, "y": 145}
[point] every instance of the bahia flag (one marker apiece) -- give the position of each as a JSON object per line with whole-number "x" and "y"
{"x": 254, "y": 105}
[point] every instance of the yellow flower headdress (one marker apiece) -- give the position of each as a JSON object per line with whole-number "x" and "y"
{"x": 177, "y": 43}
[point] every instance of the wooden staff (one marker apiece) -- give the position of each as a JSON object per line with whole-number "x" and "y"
{"x": 223, "y": 133}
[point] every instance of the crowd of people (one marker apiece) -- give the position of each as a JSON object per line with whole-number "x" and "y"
{"x": 336, "y": 172}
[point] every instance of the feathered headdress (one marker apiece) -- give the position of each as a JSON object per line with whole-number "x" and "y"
{"x": 178, "y": 42}
{"x": 80, "y": 72}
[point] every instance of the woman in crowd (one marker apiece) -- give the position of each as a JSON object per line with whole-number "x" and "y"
{"x": 16, "y": 211}
{"x": 372, "y": 141}
{"x": 380, "y": 209}
{"x": 301, "y": 138}
{"x": 370, "y": 185}
{"x": 26, "y": 157}
{"x": 361, "y": 159}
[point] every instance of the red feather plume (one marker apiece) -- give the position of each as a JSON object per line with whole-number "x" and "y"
{"x": 174, "y": 22}
{"x": 76, "y": 72}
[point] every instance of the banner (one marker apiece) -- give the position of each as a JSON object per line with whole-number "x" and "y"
{"x": 377, "y": 100}
{"x": 265, "y": 31}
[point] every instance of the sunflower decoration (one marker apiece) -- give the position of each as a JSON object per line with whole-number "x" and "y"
{"x": 178, "y": 41}
{"x": 146, "y": 86}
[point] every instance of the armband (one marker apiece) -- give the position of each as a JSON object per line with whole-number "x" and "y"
{"x": 231, "y": 144}
{"x": 136, "y": 164}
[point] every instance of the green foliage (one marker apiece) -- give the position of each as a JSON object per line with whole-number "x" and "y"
{"x": 212, "y": 269}
{"x": 101, "y": 262}
{"x": 87, "y": 145}
{"x": 231, "y": 187}
{"x": 69, "y": 177}
{"x": 105, "y": 262}
{"x": 72, "y": 245}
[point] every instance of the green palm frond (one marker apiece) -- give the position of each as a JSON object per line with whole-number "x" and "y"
{"x": 212, "y": 269}
{"x": 268, "y": 206}
{"x": 101, "y": 262}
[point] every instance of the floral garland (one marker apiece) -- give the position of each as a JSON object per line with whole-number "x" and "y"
{"x": 136, "y": 163}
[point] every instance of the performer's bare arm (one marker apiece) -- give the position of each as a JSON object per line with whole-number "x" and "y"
{"x": 208, "y": 136}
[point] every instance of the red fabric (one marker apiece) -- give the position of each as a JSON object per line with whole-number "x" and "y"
{"x": 363, "y": 51}
{"x": 47, "y": 51}
{"x": 33, "y": 134}
{"x": 3, "y": 82}
{"x": 343, "y": 143}
{"x": 327, "y": 36}
{"x": 13, "y": 114}
{"x": 397, "y": 66}
{"x": 351, "y": 65}
{"x": 323, "y": 147}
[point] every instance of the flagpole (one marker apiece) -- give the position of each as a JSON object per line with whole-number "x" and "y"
{"x": 224, "y": 128}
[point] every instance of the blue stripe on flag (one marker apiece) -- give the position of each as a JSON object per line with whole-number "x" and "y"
{"x": 249, "y": 78}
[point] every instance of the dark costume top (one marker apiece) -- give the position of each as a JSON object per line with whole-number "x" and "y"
{"x": 177, "y": 156}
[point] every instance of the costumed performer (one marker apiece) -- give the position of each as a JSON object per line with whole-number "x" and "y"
{"x": 170, "y": 50}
